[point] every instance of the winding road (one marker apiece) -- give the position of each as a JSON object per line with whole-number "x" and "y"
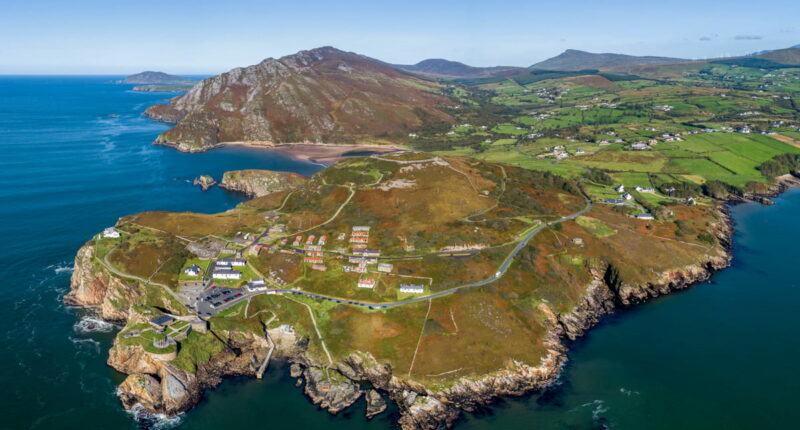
{"x": 497, "y": 275}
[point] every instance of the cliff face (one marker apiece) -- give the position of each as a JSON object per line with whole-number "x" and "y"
{"x": 257, "y": 183}
{"x": 322, "y": 95}
{"x": 94, "y": 287}
{"x": 161, "y": 387}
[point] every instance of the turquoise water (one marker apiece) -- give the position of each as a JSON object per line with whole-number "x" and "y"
{"x": 721, "y": 355}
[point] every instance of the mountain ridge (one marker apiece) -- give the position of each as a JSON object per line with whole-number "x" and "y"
{"x": 323, "y": 95}
{"x": 439, "y": 67}
{"x": 573, "y": 59}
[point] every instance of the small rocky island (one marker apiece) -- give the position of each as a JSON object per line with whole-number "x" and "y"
{"x": 158, "y": 82}
{"x": 156, "y": 78}
{"x": 205, "y": 182}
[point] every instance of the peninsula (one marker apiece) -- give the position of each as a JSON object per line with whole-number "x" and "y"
{"x": 505, "y": 216}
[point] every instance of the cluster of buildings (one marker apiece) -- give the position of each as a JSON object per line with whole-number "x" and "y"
{"x": 361, "y": 258}
{"x": 359, "y": 237}
{"x": 224, "y": 268}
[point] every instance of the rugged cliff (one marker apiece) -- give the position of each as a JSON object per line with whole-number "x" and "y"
{"x": 257, "y": 183}
{"x": 95, "y": 287}
{"x": 321, "y": 95}
{"x": 171, "y": 388}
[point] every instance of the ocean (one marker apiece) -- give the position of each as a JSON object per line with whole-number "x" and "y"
{"x": 77, "y": 155}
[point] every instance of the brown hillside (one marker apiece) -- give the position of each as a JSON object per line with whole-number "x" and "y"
{"x": 322, "y": 95}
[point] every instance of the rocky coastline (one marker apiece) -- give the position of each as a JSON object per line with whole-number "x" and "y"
{"x": 159, "y": 387}
{"x": 256, "y": 183}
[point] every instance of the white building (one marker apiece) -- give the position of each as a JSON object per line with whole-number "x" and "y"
{"x": 620, "y": 189}
{"x": 111, "y": 232}
{"x": 226, "y": 274}
{"x": 257, "y": 284}
{"x": 193, "y": 270}
{"x": 412, "y": 288}
{"x": 231, "y": 262}
{"x": 645, "y": 216}
{"x": 627, "y": 196}
{"x": 366, "y": 283}
{"x": 385, "y": 267}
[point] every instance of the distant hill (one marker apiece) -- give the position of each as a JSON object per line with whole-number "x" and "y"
{"x": 321, "y": 95}
{"x": 572, "y": 59}
{"x": 437, "y": 67}
{"x": 788, "y": 56}
{"x": 156, "y": 78}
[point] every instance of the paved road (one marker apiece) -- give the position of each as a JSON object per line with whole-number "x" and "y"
{"x": 497, "y": 275}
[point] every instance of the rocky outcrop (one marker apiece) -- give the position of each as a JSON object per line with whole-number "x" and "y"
{"x": 257, "y": 183}
{"x": 204, "y": 182}
{"x": 321, "y": 95}
{"x": 328, "y": 389}
{"x": 162, "y": 388}
{"x": 375, "y": 403}
{"x": 94, "y": 287}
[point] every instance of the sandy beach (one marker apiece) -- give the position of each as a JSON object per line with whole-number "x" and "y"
{"x": 319, "y": 152}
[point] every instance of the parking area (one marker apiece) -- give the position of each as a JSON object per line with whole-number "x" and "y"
{"x": 214, "y": 299}
{"x": 190, "y": 292}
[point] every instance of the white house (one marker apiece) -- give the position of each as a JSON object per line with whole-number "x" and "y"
{"x": 366, "y": 283}
{"x": 627, "y": 196}
{"x": 226, "y": 274}
{"x": 385, "y": 267}
{"x": 412, "y": 288}
{"x": 111, "y": 232}
{"x": 645, "y": 216}
{"x": 257, "y": 284}
{"x": 620, "y": 188}
{"x": 193, "y": 270}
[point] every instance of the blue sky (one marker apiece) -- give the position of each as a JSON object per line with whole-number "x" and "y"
{"x": 205, "y": 37}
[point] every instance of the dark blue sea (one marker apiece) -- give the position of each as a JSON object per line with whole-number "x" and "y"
{"x": 77, "y": 155}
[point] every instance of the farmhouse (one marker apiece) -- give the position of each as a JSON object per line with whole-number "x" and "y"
{"x": 412, "y": 288}
{"x": 193, "y": 270}
{"x": 620, "y": 189}
{"x": 645, "y": 189}
{"x": 645, "y": 216}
